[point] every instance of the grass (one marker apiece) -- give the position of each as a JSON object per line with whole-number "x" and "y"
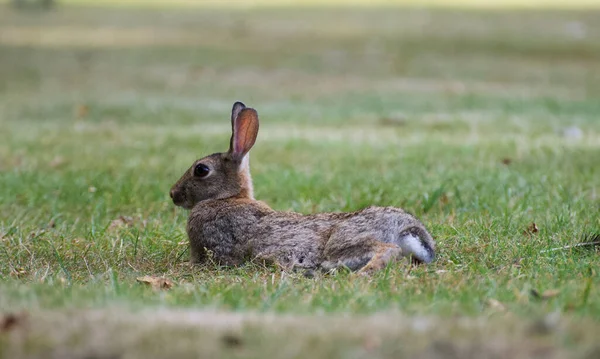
{"x": 492, "y": 4}
{"x": 461, "y": 118}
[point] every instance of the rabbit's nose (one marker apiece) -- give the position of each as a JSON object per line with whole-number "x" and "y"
{"x": 177, "y": 196}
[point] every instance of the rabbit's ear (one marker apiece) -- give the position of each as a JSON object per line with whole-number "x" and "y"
{"x": 235, "y": 111}
{"x": 245, "y": 130}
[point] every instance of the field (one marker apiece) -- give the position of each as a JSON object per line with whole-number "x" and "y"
{"x": 483, "y": 123}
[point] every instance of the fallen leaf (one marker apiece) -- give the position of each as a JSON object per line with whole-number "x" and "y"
{"x": 531, "y": 229}
{"x": 156, "y": 282}
{"x": 495, "y": 304}
{"x": 547, "y": 294}
{"x": 122, "y": 221}
{"x": 11, "y": 320}
{"x": 550, "y": 293}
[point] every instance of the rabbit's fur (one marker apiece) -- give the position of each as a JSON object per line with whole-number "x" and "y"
{"x": 228, "y": 222}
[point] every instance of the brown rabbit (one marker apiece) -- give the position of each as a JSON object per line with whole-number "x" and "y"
{"x": 226, "y": 220}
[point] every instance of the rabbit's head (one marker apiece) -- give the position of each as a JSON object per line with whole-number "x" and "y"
{"x": 222, "y": 175}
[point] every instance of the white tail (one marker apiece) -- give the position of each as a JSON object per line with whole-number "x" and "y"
{"x": 411, "y": 244}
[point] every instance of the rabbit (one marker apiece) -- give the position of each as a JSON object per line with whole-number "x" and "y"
{"x": 229, "y": 225}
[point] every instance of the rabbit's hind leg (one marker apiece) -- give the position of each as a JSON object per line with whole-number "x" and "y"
{"x": 363, "y": 253}
{"x": 384, "y": 253}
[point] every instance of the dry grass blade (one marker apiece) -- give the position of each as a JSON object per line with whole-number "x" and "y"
{"x": 589, "y": 242}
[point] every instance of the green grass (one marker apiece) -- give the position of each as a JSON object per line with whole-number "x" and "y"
{"x": 412, "y": 108}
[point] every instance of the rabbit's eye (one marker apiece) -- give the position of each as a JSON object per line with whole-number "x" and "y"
{"x": 201, "y": 170}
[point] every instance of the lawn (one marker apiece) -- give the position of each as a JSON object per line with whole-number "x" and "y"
{"x": 483, "y": 123}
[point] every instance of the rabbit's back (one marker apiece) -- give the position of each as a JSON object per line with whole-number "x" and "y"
{"x": 294, "y": 240}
